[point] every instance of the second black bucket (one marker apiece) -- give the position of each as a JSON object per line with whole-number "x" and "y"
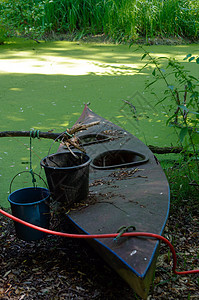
{"x": 67, "y": 176}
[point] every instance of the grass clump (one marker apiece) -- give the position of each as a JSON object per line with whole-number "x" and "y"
{"x": 168, "y": 18}
{"x": 184, "y": 191}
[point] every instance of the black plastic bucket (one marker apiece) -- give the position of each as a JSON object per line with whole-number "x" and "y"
{"x": 31, "y": 205}
{"x": 67, "y": 176}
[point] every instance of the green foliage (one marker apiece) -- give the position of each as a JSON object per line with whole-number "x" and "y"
{"x": 181, "y": 92}
{"x": 27, "y": 17}
{"x": 3, "y": 33}
{"x": 122, "y": 20}
{"x": 112, "y": 17}
{"x": 184, "y": 191}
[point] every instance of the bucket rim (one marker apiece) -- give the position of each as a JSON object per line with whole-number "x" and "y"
{"x": 29, "y": 203}
{"x": 66, "y": 168}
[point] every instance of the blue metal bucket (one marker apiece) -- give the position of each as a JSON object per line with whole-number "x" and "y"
{"x": 31, "y": 205}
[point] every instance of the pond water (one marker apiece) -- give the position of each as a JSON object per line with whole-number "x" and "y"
{"x": 45, "y": 86}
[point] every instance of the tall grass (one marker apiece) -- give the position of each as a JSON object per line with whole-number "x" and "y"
{"x": 168, "y": 17}
{"x": 119, "y": 19}
{"x": 183, "y": 191}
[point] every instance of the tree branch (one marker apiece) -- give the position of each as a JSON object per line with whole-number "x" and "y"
{"x": 53, "y": 136}
{"x": 45, "y": 135}
{"x": 165, "y": 150}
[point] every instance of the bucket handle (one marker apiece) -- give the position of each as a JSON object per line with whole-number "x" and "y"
{"x": 26, "y": 172}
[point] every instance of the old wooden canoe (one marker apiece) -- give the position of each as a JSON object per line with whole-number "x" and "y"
{"x": 127, "y": 187}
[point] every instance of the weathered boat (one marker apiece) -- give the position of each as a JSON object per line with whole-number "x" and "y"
{"x": 127, "y": 189}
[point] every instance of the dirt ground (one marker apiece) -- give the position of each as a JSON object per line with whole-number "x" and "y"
{"x": 60, "y": 268}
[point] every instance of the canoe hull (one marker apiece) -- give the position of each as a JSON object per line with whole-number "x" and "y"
{"x": 141, "y": 285}
{"x": 125, "y": 189}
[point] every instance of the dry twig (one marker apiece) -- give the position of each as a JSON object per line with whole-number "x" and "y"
{"x": 69, "y": 139}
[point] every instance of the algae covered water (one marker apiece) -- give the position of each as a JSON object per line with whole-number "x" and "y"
{"x": 45, "y": 86}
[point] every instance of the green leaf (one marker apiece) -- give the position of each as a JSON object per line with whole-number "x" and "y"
{"x": 189, "y": 83}
{"x": 162, "y": 57}
{"x": 148, "y": 85}
{"x": 143, "y": 67}
{"x": 131, "y": 45}
{"x": 166, "y": 92}
{"x": 183, "y": 107}
{"x": 192, "y": 58}
{"x": 197, "y": 60}
{"x": 194, "y": 113}
{"x": 153, "y": 73}
{"x": 171, "y": 87}
{"x": 195, "y": 138}
{"x": 188, "y": 55}
{"x": 160, "y": 101}
{"x": 194, "y": 95}
{"x": 169, "y": 119}
{"x": 183, "y": 133}
{"x": 145, "y": 54}
{"x": 192, "y": 77}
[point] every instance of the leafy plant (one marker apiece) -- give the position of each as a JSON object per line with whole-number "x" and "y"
{"x": 3, "y": 33}
{"x": 27, "y": 17}
{"x": 180, "y": 99}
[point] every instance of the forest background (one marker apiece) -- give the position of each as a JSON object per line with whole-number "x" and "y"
{"x": 119, "y": 20}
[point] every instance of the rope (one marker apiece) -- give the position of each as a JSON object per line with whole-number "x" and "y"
{"x": 68, "y": 134}
{"x": 122, "y": 230}
{"x": 34, "y": 134}
{"x": 31, "y": 170}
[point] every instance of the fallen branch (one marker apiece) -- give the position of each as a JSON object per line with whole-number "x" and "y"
{"x": 45, "y": 135}
{"x": 67, "y": 138}
{"x": 165, "y": 150}
{"x": 48, "y": 134}
{"x": 53, "y": 136}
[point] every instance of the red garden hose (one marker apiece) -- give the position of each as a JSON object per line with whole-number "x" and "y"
{"x": 111, "y": 235}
